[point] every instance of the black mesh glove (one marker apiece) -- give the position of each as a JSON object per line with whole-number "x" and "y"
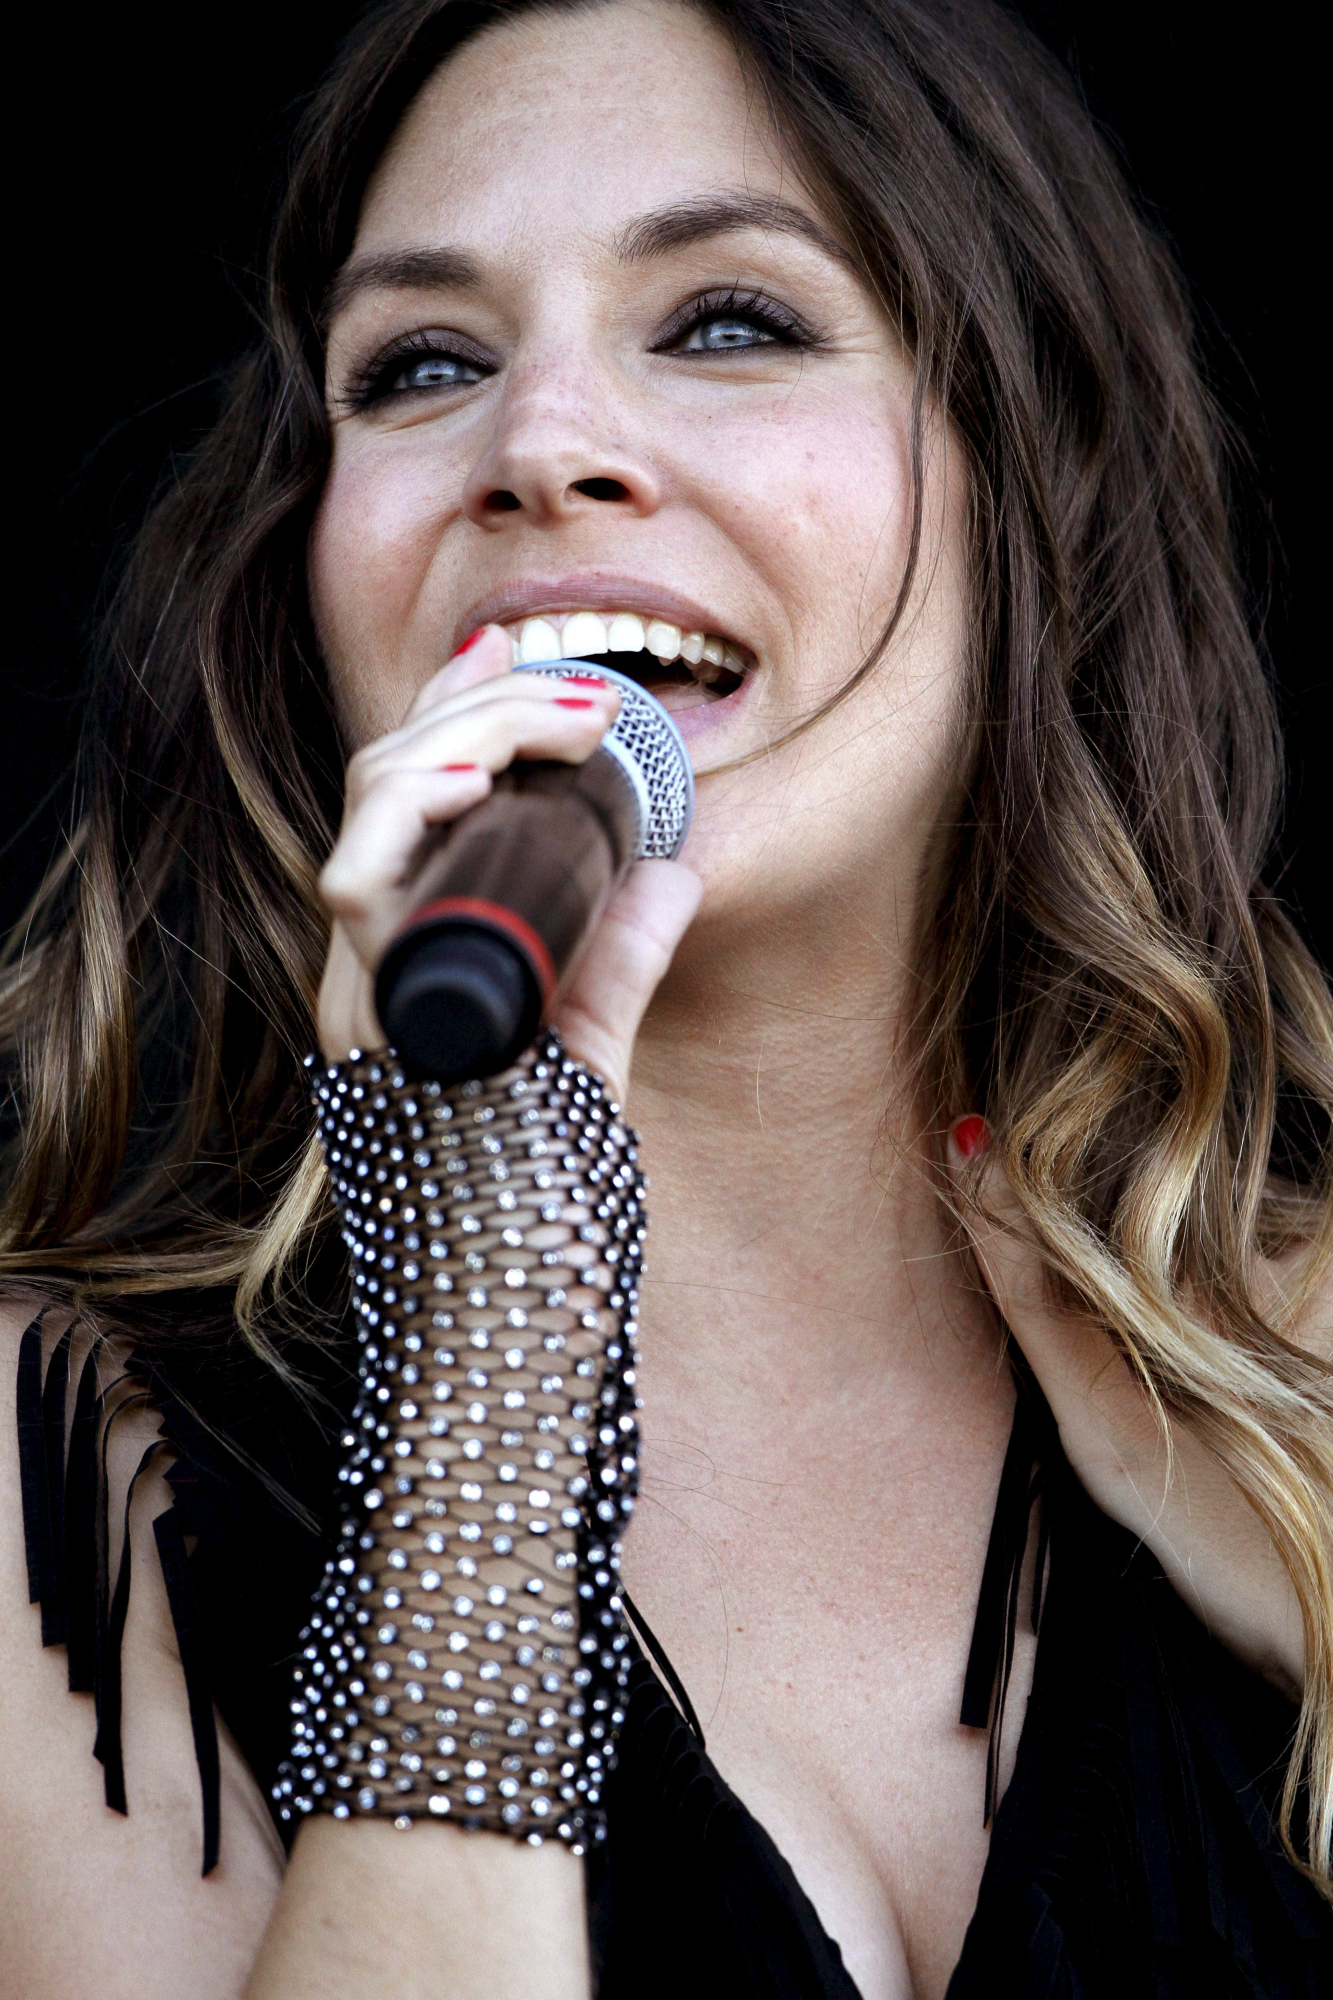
{"x": 467, "y": 1656}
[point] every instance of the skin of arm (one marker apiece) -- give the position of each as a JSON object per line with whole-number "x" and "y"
{"x": 421, "y": 1915}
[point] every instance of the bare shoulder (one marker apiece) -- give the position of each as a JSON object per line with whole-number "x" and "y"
{"x": 92, "y": 1900}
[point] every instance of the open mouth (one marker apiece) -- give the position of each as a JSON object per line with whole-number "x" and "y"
{"x": 656, "y": 654}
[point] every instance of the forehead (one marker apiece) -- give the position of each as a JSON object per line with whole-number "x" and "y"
{"x": 559, "y": 125}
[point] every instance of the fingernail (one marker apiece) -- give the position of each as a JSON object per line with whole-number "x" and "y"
{"x": 971, "y": 1135}
{"x": 458, "y": 767}
{"x": 470, "y": 641}
{"x": 584, "y": 681}
{"x": 564, "y": 701}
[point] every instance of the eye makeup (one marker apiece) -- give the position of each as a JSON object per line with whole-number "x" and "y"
{"x": 433, "y": 360}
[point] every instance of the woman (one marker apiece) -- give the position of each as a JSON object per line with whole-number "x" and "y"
{"x": 811, "y": 362}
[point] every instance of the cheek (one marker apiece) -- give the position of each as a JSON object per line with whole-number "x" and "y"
{"x": 822, "y": 502}
{"x": 817, "y": 493}
{"x": 376, "y": 532}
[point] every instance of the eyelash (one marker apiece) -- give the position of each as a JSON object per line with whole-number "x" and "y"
{"x": 373, "y": 383}
{"x": 787, "y": 327}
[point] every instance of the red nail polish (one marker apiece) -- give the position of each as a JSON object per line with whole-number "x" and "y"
{"x": 470, "y": 641}
{"x": 971, "y": 1135}
{"x": 584, "y": 681}
{"x": 564, "y": 701}
{"x": 458, "y": 767}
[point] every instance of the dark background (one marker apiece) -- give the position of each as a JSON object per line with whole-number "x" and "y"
{"x": 156, "y": 135}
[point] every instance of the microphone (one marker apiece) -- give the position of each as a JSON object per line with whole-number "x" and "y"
{"x": 511, "y": 892}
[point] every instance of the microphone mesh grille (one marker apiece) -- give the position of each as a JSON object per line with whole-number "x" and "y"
{"x": 646, "y": 733}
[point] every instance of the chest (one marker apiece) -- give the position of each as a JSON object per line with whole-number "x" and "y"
{"x": 812, "y": 1568}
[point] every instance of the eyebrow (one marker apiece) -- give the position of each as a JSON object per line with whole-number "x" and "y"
{"x": 398, "y": 270}
{"x": 686, "y": 222}
{"x": 674, "y": 227}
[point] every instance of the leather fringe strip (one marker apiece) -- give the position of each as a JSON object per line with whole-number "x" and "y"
{"x": 66, "y": 1501}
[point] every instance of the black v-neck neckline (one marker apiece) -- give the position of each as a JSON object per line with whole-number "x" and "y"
{"x": 1032, "y": 1442}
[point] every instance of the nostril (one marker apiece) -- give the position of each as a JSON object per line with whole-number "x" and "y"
{"x": 502, "y": 501}
{"x": 601, "y": 489}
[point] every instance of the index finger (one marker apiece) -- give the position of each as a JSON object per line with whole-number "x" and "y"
{"x": 484, "y": 655}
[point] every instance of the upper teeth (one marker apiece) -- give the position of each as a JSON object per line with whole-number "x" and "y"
{"x": 573, "y": 635}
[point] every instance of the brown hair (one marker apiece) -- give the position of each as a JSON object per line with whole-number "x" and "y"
{"x": 1103, "y": 973}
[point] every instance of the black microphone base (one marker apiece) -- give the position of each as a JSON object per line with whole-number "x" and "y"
{"x": 457, "y": 1000}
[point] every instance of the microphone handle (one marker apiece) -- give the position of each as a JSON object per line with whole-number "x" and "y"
{"x": 504, "y": 902}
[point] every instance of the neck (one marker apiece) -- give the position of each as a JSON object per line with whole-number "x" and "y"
{"x": 794, "y": 1212}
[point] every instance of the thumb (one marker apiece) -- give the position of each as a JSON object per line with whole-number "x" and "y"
{"x": 599, "y": 1013}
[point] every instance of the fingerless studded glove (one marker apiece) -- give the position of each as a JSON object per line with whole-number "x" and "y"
{"x": 466, "y": 1657}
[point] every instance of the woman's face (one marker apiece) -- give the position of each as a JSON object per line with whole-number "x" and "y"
{"x": 599, "y": 372}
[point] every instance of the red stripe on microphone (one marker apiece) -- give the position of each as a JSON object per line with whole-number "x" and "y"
{"x": 476, "y": 909}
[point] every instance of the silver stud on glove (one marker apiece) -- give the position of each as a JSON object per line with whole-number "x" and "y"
{"x": 467, "y": 1655}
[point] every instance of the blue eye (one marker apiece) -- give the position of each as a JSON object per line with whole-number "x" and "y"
{"x": 720, "y": 334}
{"x": 435, "y": 371}
{"x": 417, "y": 366}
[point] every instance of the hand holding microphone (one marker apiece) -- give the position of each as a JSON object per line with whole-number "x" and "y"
{"x": 471, "y": 932}
{"x": 471, "y": 889}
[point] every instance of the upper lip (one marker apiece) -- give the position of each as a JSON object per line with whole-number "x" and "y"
{"x": 595, "y": 590}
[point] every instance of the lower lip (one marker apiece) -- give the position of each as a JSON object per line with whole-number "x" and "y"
{"x": 697, "y": 714}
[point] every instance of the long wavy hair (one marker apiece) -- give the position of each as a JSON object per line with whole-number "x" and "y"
{"x": 1103, "y": 972}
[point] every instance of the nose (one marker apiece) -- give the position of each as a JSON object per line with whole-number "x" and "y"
{"x": 554, "y": 455}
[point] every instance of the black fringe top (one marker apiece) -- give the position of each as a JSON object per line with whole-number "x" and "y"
{"x": 1133, "y": 1856}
